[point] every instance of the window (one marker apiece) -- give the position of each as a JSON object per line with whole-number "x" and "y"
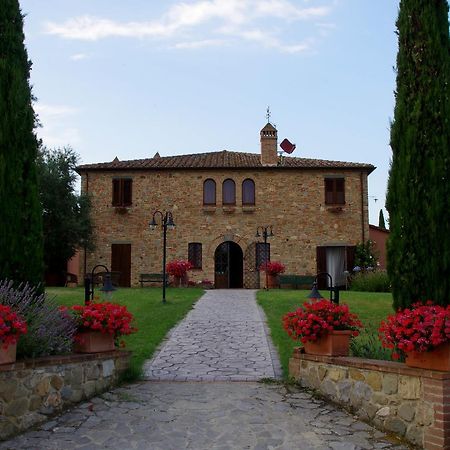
{"x": 334, "y": 191}
{"x": 248, "y": 192}
{"x": 195, "y": 254}
{"x": 262, "y": 254}
{"x": 209, "y": 192}
{"x": 122, "y": 188}
{"x": 228, "y": 192}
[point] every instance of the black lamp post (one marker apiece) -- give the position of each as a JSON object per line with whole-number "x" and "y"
{"x": 334, "y": 290}
{"x": 166, "y": 223}
{"x": 266, "y": 232}
{"x": 107, "y": 287}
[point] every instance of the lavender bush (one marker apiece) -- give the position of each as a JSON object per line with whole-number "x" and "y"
{"x": 50, "y": 331}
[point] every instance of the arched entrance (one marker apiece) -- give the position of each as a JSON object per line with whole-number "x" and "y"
{"x": 228, "y": 266}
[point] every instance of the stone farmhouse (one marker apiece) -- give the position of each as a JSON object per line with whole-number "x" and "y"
{"x": 318, "y": 211}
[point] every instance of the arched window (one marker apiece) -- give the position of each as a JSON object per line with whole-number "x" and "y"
{"x": 209, "y": 192}
{"x": 228, "y": 192}
{"x": 248, "y": 192}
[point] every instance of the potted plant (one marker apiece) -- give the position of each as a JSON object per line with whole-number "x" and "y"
{"x": 11, "y": 327}
{"x": 178, "y": 270}
{"x": 324, "y": 327}
{"x": 273, "y": 269}
{"x": 421, "y": 334}
{"x": 100, "y": 325}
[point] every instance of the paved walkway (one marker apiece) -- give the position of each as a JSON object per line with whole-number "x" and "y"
{"x": 203, "y": 416}
{"x": 224, "y": 338}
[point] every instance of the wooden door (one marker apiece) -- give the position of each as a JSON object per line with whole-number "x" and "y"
{"x": 121, "y": 262}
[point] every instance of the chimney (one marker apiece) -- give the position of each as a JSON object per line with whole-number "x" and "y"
{"x": 269, "y": 155}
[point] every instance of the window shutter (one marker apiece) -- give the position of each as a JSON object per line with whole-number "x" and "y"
{"x": 209, "y": 192}
{"x": 127, "y": 192}
{"x": 248, "y": 192}
{"x": 350, "y": 258}
{"x": 328, "y": 191}
{"x": 321, "y": 254}
{"x": 340, "y": 191}
{"x": 195, "y": 254}
{"x": 116, "y": 192}
{"x": 229, "y": 192}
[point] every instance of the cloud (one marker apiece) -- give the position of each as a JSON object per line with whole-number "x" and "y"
{"x": 57, "y": 128}
{"x": 203, "y": 23}
{"x": 78, "y": 56}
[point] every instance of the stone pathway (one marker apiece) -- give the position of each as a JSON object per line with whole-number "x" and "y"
{"x": 204, "y": 416}
{"x": 224, "y": 338}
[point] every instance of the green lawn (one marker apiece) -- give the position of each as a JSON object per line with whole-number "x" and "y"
{"x": 371, "y": 307}
{"x": 152, "y": 318}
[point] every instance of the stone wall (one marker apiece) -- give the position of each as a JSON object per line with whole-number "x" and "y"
{"x": 32, "y": 390}
{"x": 293, "y": 201}
{"x": 412, "y": 403}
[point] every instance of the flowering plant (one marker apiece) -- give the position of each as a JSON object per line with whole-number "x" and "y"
{"x": 272, "y": 268}
{"x": 178, "y": 268}
{"x": 11, "y": 326}
{"x": 314, "y": 320}
{"x": 105, "y": 317}
{"x": 418, "y": 329}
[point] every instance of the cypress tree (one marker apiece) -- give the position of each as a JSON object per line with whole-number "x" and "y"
{"x": 381, "y": 222}
{"x": 21, "y": 254}
{"x": 418, "y": 198}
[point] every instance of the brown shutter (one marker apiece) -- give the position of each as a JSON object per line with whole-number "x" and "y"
{"x": 350, "y": 258}
{"x": 340, "y": 191}
{"x": 329, "y": 191}
{"x": 321, "y": 254}
{"x": 127, "y": 192}
{"x": 116, "y": 192}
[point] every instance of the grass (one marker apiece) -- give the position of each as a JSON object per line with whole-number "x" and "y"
{"x": 371, "y": 307}
{"x": 152, "y": 318}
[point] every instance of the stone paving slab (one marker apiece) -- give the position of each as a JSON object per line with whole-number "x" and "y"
{"x": 204, "y": 416}
{"x": 224, "y": 338}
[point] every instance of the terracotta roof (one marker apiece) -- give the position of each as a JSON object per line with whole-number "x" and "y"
{"x": 219, "y": 160}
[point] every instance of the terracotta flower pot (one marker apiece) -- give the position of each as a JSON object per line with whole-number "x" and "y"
{"x": 272, "y": 281}
{"x": 334, "y": 343}
{"x": 93, "y": 342}
{"x": 8, "y": 355}
{"x": 437, "y": 359}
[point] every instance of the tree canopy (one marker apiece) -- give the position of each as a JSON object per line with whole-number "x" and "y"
{"x": 418, "y": 198}
{"x": 66, "y": 214}
{"x": 21, "y": 250}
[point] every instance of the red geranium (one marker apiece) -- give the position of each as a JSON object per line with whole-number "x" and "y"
{"x": 11, "y": 326}
{"x": 418, "y": 329}
{"x": 178, "y": 268}
{"x": 272, "y": 268}
{"x": 105, "y": 317}
{"x": 316, "y": 319}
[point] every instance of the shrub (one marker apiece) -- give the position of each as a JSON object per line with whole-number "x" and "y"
{"x": 371, "y": 281}
{"x": 368, "y": 345}
{"x": 314, "y": 320}
{"x": 272, "y": 268}
{"x": 418, "y": 329}
{"x": 178, "y": 268}
{"x": 104, "y": 317}
{"x": 11, "y": 326}
{"x": 50, "y": 332}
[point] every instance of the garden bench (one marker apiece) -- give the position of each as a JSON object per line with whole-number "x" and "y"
{"x": 152, "y": 278}
{"x": 296, "y": 280}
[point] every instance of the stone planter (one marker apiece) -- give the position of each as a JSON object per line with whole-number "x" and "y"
{"x": 437, "y": 359}
{"x": 93, "y": 342}
{"x": 8, "y": 355}
{"x": 334, "y": 343}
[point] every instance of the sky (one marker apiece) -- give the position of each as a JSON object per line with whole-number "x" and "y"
{"x": 129, "y": 79}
